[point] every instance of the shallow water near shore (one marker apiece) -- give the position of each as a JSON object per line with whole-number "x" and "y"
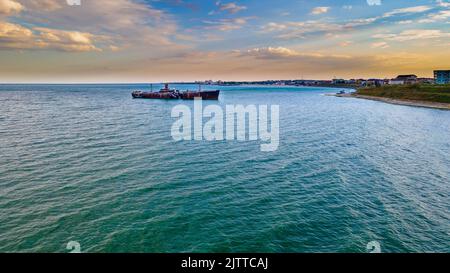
{"x": 87, "y": 163}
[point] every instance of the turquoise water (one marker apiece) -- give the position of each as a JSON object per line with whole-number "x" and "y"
{"x": 87, "y": 163}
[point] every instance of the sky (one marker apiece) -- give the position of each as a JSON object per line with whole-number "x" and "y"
{"x": 125, "y": 41}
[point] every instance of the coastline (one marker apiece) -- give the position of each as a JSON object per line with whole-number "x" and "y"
{"x": 423, "y": 104}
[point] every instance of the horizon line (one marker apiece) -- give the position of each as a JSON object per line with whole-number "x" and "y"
{"x": 187, "y": 82}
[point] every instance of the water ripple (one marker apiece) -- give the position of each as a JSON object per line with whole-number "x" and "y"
{"x": 87, "y": 163}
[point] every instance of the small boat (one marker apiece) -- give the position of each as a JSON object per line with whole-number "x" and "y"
{"x": 171, "y": 94}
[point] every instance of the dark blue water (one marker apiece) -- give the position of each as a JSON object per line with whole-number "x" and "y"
{"x": 87, "y": 163}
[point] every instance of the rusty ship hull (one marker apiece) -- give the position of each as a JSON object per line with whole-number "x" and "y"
{"x": 205, "y": 95}
{"x": 168, "y": 94}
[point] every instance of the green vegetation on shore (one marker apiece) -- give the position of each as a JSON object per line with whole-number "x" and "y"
{"x": 416, "y": 92}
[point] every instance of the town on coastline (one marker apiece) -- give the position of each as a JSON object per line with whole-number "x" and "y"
{"x": 408, "y": 90}
{"x": 440, "y": 77}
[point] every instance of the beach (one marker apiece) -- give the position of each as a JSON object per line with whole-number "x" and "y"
{"x": 425, "y": 104}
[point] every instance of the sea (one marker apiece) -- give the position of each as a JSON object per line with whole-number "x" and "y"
{"x": 89, "y": 166}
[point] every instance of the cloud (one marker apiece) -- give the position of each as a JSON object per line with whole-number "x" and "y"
{"x": 381, "y": 45}
{"x": 18, "y": 36}
{"x": 272, "y": 26}
{"x": 14, "y": 36}
{"x": 283, "y": 52}
{"x": 320, "y": 10}
{"x": 47, "y": 5}
{"x": 405, "y": 22}
{"x": 254, "y": 63}
{"x": 374, "y": 2}
{"x": 359, "y": 22}
{"x": 345, "y": 43}
{"x": 414, "y": 34}
{"x": 66, "y": 40}
{"x": 9, "y": 7}
{"x": 142, "y": 42}
{"x": 231, "y": 8}
{"x": 443, "y": 3}
{"x": 121, "y": 23}
{"x": 114, "y": 48}
{"x": 442, "y": 15}
{"x": 300, "y": 30}
{"x": 226, "y": 24}
{"x": 409, "y": 10}
{"x": 435, "y": 17}
{"x": 268, "y": 52}
{"x": 13, "y": 33}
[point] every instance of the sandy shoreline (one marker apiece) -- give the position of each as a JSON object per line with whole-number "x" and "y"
{"x": 425, "y": 104}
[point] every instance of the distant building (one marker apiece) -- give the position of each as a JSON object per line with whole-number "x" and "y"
{"x": 404, "y": 79}
{"x": 426, "y": 80}
{"x": 442, "y": 76}
{"x": 375, "y": 82}
{"x": 338, "y": 81}
{"x": 396, "y": 82}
